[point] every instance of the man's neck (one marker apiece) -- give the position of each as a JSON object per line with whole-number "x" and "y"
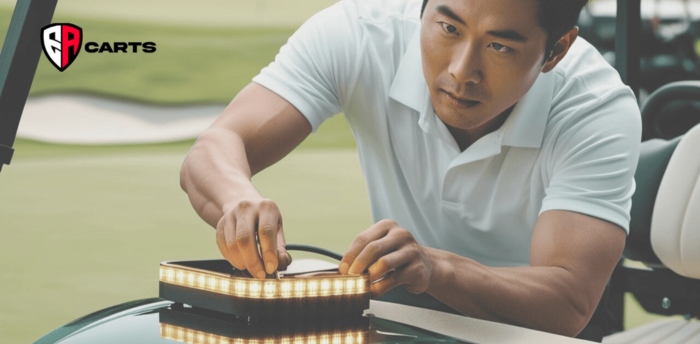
{"x": 466, "y": 137}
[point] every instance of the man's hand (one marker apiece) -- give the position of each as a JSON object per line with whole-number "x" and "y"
{"x": 385, "y": 248}
{"x": 236, "y": 231}
{"x": 257, "y": 129}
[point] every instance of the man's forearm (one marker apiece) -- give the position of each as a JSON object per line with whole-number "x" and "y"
{"x": 216, "y": 173}
{"x": 543, "y": 298}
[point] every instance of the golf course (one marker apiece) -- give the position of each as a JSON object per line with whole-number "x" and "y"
{"x": 84, "y": 227}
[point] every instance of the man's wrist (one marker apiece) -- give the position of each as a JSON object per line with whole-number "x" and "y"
{"x": 441, "y": 272}
{"x": 242, "y": 189}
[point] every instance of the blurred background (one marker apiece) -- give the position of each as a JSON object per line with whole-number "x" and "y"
{"x": 91, "y": 202}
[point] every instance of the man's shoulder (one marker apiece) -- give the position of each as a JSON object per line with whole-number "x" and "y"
{"x": 585, "y": 69}
{"x": 589, "y": 96}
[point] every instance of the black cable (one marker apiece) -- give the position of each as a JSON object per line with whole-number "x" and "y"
{"x": 314, "y": 249}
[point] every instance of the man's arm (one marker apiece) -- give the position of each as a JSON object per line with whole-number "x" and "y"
{"x": 256, "y": 130}
{"x": 572, "y": 257}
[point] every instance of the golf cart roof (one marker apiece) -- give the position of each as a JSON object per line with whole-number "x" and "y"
{"x": 664, "y": 9}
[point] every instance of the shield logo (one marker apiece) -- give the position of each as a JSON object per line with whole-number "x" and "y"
{"x": 61, "y": 43}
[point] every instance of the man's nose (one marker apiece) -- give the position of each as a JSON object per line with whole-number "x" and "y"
{"x": 465, "y": 66}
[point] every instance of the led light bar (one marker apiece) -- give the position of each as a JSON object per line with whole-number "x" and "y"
{"x": 191, "y": 336}
{"x": 334, "y": 285}
{"x": 214, "y": 285}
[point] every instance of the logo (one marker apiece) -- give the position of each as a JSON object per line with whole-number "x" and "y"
{"x": 61, "y": 44}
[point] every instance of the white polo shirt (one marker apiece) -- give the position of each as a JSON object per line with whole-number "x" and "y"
{"x": 571, "y": 143}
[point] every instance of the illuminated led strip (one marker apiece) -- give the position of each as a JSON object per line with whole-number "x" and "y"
{"x": 186, "y": 335}
{"x": 264, "y": 289}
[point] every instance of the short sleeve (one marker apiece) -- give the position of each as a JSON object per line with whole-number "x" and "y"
{"x": 317, "y": 66}
{"x": 593, "y": 161}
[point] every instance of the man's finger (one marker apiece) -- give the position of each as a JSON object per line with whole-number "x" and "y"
{"x": 391, "y": 281}
{"x": 268, "y": 223}
{"x": 394, "y": 261}
{"x": 390, "y": 271}
{"x": 283, "y": 256}
{"x": 247, "y": 245}
{"x": 374, "y": 250}
{"x": 234, "y": 259}
{"x": 373, "y": 233}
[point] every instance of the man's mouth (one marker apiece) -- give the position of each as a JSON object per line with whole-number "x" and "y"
{"x": 459, "y": 101}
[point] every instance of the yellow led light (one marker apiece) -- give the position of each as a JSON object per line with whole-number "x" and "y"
{"x": 325, "y": 339}
{"x": 180, "y": 277}
{"x": 311, "y": 340}
{"x": 350, "y": 286}
{"x": 254, "y": 289}
{"x": 224, "y": 286}
{"x": 349, "y": 339}
{"x": 312, "y": 288}
{"x": 337, "y": 287}
{"x": 299, "y": 288}
{"x": 270, "y": 289}
{"x": 190, "y": 279}
{"x": 286, "y": 289}
{"x": 240, "y": 288}
{"x": 180, "y": 334}
{"x": 360, "y": 283}
{"x": 337, "y": 338}
{"x": 325, "y": 287}
{"x": 298, "y": 340}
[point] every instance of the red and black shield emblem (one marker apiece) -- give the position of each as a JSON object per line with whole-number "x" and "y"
{"x": 61, "y": 43}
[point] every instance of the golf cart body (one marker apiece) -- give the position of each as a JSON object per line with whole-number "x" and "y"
{"x": 670, "y": 33}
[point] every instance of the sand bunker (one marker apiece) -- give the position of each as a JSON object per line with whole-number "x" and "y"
{"x": 81, "y": 119}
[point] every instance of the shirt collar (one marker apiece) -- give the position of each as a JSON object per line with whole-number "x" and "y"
{"x": 524, "y": 127}
{"x": 526, "y": 123}
{"x": 409, "y": 87}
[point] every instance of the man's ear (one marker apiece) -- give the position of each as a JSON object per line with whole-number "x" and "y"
{"x": 560, "y": 49}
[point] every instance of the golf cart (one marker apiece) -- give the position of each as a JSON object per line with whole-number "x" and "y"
{"x": 663, "y": 235}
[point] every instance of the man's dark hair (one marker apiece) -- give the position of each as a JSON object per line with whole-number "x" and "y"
{"x": 557, "y": 17}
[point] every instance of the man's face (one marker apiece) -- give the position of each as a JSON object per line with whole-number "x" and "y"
{"x": 480, "y": 57}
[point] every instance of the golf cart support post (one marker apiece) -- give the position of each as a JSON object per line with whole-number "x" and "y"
{"x": 18, "y": 62}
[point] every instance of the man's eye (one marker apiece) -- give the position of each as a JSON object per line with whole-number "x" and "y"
{"x": 500, "y": 47}
{"x": 449, "y": 28}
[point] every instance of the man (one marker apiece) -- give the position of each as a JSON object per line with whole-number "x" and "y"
{"x": 498, "y": 148}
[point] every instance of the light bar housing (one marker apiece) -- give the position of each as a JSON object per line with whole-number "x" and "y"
{"x": 215, "y": 285}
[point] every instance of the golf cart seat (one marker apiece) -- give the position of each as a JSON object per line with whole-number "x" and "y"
{"x": 664, "y": 235}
